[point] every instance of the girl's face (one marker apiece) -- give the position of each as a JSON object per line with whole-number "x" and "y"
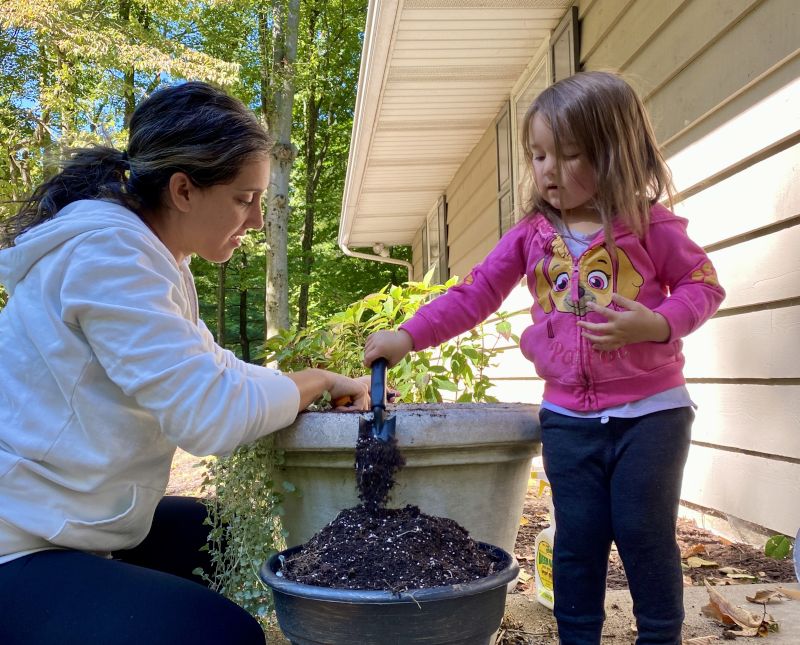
{"x": 570, "y": 185}
{"x": 214, "y": 220}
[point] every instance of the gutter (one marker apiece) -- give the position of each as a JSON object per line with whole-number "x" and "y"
{"x": 382, "y": 16}
{"x": 378, "y": 258}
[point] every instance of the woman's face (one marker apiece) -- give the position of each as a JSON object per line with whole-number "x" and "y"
{"x": 570, "y": 185}
{"x": 213, "y": 220}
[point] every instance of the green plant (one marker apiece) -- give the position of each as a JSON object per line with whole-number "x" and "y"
{"x": 246, "y": 504}
{"x": 457, "y": 367}
{"x": 244, "y": 508}
{"x": 778, "y": 547}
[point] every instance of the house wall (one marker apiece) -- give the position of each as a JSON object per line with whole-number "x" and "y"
{"x": 472, "y": 211}
{"x": 721, "y": 79}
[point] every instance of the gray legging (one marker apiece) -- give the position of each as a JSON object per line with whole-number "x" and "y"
{"x": 144, "y": 595}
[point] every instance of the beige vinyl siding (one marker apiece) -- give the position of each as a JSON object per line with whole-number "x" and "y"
{"x": 417, "y": 255}
{"x": 473, "y": 230}
{"x": 720, "y": 78}
{"x": 472, "y": 219}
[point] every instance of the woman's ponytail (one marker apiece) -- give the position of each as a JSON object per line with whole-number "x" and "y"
{"x": 96, "y": 172}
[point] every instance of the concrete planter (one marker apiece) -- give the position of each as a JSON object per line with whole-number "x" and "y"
{"x": 468, "y": 462}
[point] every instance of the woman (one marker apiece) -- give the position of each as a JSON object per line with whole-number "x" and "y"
{"x": 106, "y": 367}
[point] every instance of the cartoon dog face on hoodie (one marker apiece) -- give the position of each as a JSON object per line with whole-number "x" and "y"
{"x": 596, "y": 279}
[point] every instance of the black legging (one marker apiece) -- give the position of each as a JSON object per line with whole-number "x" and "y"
{"x": 144, "y": 595}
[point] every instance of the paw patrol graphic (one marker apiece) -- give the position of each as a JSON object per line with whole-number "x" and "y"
{"x": 596, "y": 279}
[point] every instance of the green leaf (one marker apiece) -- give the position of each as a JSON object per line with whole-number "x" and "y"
{"x": 471, "y": 353}
{"x": 504, "y": 329}
{"x": 778, "y": 547}
{"x": 445, "y": 385}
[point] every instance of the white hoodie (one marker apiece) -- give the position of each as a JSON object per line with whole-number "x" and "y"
{"x": 105, "y": 368}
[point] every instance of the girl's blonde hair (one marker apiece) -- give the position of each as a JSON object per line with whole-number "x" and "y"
{"x": 601, "y": 114}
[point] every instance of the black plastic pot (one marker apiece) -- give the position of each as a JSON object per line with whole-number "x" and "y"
{"x": 463, "y": 614}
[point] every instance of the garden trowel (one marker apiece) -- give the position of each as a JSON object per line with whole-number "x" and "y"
{"x": 381, "y": 426}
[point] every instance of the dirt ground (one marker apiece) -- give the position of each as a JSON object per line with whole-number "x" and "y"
{"x": 707, "y": 556}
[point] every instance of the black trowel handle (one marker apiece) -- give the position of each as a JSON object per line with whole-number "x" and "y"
{"x": 377, "y": 391}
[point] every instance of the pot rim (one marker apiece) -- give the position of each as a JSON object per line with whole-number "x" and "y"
{"x": 499, "y": 578}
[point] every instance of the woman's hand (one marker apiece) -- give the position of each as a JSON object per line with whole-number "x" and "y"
{"x": 344, "y": 402}
{"x": 391, "y": 345}
{"x": 353, "y": 393}
{"x": 637, "y": 324}
{"x": 313, "y": 382}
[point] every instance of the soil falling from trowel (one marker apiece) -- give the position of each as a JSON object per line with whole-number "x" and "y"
{"x": 375, "y": 548}
{"x": 377, "y": 462}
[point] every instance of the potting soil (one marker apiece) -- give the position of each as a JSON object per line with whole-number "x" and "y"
{"x": 389, "y": 550}
{"x": 371, "y": 547}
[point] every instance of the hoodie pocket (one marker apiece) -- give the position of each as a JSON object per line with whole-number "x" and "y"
{"x": 552, "y": 349}
{"x": 121, "y": 531}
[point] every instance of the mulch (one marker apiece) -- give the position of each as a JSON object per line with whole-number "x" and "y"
{"x": 707, "y": 556}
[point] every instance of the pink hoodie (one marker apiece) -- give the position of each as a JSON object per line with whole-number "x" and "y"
{"x": 665, "y": 271}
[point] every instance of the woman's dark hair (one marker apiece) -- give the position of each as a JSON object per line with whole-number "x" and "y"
{"x": 191, "y": 127}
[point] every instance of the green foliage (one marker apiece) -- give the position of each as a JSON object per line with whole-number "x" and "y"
{"x": 778, "y": 547}
{"x": 244, "y": 512}
{"x": 457, "y": 367}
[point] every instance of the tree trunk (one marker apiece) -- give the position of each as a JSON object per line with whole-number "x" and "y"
{"x": 285, "y": 26}
{"x": 222, "y": 270}
{"x": 244, "y": 337}
{"x": 129, "y": 73}
{"x": 311, "y": 114}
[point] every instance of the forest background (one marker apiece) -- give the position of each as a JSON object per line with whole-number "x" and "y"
{"x": 72, "y": 72}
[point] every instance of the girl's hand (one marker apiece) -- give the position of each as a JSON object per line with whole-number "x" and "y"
{"x": 637, "y": 324}
{"x": 391, "y": 345}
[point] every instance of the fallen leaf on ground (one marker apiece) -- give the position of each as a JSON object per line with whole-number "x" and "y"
{"x": 764, "y": 596}
{"x": 524, "y": 577}
{"x": 700, "y": 640}
{"x": 721, "y": 609}
{"x": 524, "y": 521}
{"x": 794, "y": 594}
{"x": 693, "y": 550}
{"x": 738, "y": 575}
{"x": 728, "y": 613}
{"x": 696, "y": 562}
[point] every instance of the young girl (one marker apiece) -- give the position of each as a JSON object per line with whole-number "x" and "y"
{"x": 616, "y": 284}
{"x": 106, "y": 367}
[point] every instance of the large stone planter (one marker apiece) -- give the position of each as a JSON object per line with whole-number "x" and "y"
{"x": 468, "y": 462}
